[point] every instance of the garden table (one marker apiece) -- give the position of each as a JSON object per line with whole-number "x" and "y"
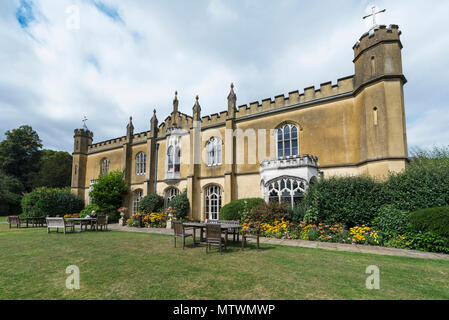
{"x": 201, "y": 226}
{"x": 85, "y": 221}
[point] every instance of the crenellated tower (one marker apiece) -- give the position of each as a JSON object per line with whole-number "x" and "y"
{"x": 379, "y": 98}
{"x": 81, "y": 141}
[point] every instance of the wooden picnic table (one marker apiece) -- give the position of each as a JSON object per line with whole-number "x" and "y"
{"x": 201, "y": 226}
{"x": 85, "y": 221}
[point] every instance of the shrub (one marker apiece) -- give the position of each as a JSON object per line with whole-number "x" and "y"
{"x": 181, "y": 204}
{"x": 424, "y": 182}
{"x": 299, "y": 211}
{"x": 269, "y": 213}
{"x": 151, "y": 203}
{"x": 349, "y": 200}
{"x": 392, "y": 221}
{"x": 43, "y": 202}
{"x": 434, "y": 220}
{"x": 239, "y": 209}
{"x": 427, "y": 241}
{"x": 88, "y": 210}
{"x": 108, "y": 193}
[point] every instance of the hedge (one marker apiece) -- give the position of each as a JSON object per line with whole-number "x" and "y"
{"x": 237, "y": 208}
{"x": 435, "y": 220}
{"x": 42, "y": 202}
{"x": 181, "y": 204}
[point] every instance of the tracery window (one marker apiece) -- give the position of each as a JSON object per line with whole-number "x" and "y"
{"x": 170, "y": 194}
{"x": 287, "y": 141}
{"x": 212, "y": 199}
{"x": 173, "y": 159}
{"x": 286, "y": 189}
{"x": 213, "y": 151}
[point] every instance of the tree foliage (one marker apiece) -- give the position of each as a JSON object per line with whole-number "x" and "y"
{"x": 108, "y": 193}
{"x": 181, "y": 203}
{"x": 20, "y": 154}
{"x": 10, "y": 194}
{"x": 55, "y": 170}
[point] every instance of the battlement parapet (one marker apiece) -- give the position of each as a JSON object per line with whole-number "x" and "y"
{"x": 116, "y": 142}
{"x": 326, "y": 90}
{"x": 376, "y": 35}
{"x": 83, "y": 133}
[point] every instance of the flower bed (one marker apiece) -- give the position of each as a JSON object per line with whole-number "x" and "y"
{"x": 149, "y": 220}
{"x": 282, "y": 229}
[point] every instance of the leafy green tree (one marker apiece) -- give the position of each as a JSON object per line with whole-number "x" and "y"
{"x": 10, "y": 194}
{"x": 20, "y": 154}
{"x": 108, "y": 193}
{"x": 181, "y": 203}
{"x": 55, "y": 170}
{"x": 151, "y": 203}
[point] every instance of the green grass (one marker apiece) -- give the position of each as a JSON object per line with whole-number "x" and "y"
{"x": 122, "y": 265}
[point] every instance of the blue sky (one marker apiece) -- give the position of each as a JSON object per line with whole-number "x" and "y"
{"x": 129, "y": 57}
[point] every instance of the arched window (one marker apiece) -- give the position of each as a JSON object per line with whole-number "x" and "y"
{"x": 286, "y": 189}
{"x": 213, "y": 151}
{"x": 177, "y": 159}
{"x": 287, "y": 141}
{"x": 141, "y": 159}
{"x": 104, "y": 166}
{"x": 136, "y": 199}
{"x": 212, "y": 200}
{"x": 170, "y": 194}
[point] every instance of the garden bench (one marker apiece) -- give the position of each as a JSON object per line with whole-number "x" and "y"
{"x": 59, "y": 223}
{"x": 102, "y": 221}
{"x": 14, "y": 220}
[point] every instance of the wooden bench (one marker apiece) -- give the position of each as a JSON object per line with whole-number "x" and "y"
{"x": 59, "y": 223}
{"x": 14, "y": 220}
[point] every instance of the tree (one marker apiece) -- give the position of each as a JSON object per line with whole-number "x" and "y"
{"x": 108, "y": 193}
{"x": 55, "y": 170}
{"x": 181, "y": 204}
{"x": 20, "y": 154}
{"x": 10, "y": 194}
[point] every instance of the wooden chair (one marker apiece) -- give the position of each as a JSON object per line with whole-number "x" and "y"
{"x": 59, "y": 223}
{"x": 248, "y": 235}
{"x": 232, "y": 231}
{"x": 102, "y": 222}
{"x": 179, "y": 230}
{"x": 213, "y": 236}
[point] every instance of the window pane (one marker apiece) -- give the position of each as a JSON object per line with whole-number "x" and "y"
{"x": 294, "y": 147}
{"x": 280, "y": 150}
{"x": 286, "y": 133}
{"x": 287, "y": 149}
{"x": 294, "y": 132}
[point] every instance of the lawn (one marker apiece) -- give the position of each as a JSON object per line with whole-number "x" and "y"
{"x": 122, "y": 265}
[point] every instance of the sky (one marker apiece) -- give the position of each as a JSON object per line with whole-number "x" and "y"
{"x": 61, "y": 60}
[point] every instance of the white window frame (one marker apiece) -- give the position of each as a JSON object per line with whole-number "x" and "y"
{"x": 170, "y": 194}
{"x": 104, "y": 166}
{"x": 212, "y": 202}
{"x": 141, "y": 160}
{"x": 137, "y": 196}
{"x": 282, "y": 185}
{"x": 213, "y": 152}
{"x": 287, "y": 141}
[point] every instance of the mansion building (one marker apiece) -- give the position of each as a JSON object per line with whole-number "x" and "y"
{"x": 272, "y": 149}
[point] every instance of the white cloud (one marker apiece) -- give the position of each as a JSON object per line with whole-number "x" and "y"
{"x": 111, "y": 68}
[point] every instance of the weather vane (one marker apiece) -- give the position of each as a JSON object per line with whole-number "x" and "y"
{"x": 84, "y": 125}
{"x": 373, "y": 14}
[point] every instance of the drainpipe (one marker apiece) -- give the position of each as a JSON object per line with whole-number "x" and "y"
{"x": 155, "y": 167}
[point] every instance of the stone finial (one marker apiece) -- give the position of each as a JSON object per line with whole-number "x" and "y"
{"x": 175, "y": 103}
{"x": 197, "y": 109}
{"x": 232, "y": 100}
{"x": 130, "y": 129}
